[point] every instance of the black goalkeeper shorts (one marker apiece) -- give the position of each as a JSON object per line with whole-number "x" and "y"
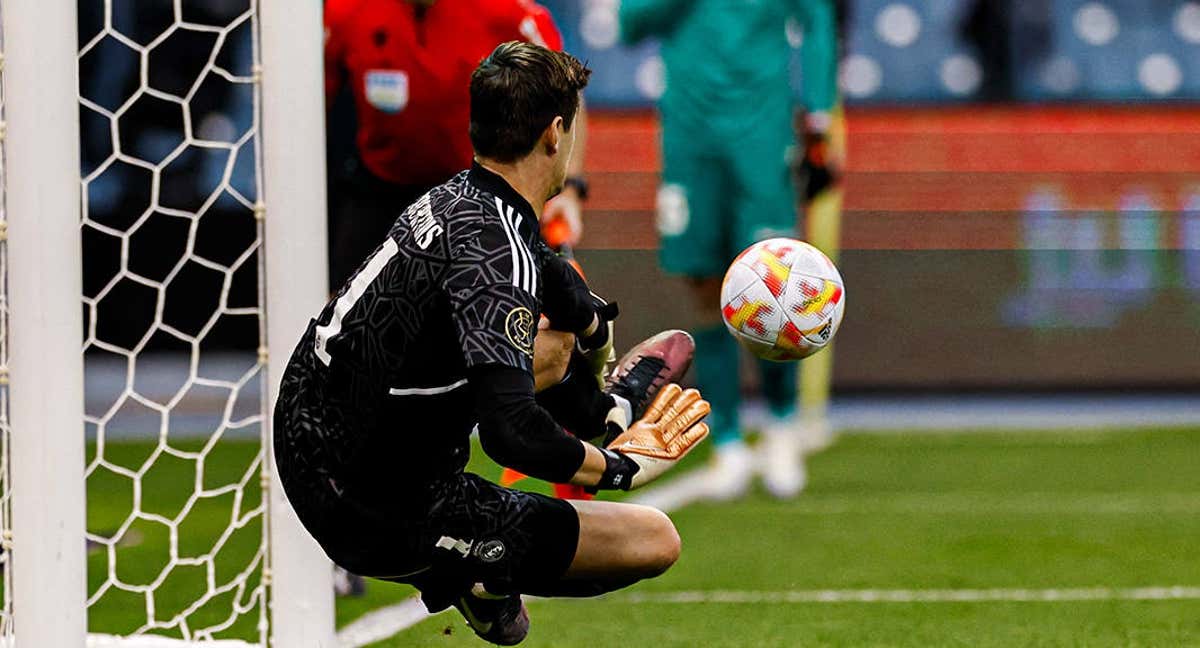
{"x": 474, "y": 531}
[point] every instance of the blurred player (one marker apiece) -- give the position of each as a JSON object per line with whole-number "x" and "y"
{"x": 407, "y": 63}
{"x": 727, "y": 137}
{"x": 434, "y": 336}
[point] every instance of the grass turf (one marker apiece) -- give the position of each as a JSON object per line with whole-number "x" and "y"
{"x": 922, "y": 511}
{"x": 883, "y": 511}
{"x": 218, "y": 537}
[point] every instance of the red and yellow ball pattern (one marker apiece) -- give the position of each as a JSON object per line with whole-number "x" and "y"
{"x": 783, "y": 299}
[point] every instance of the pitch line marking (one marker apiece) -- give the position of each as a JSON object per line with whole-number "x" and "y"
{"x": 1050, "y": 595}
{"x": 383, "y": 623}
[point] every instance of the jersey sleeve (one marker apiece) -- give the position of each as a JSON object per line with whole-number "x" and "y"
{"x": 566, "y": 300}
{"x": 537, "y": 26}
{"x": 491, "y": 287}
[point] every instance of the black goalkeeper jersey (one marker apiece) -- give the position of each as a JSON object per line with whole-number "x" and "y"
{"x": 376, "y": 394}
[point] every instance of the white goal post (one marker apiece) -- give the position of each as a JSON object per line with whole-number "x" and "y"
{"x": 46, "y": 580}
{"x": 46, "y": 367}
{"x": 293, "y": 103}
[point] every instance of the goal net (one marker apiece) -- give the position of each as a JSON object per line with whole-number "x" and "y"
{"x": 174, "y": 381}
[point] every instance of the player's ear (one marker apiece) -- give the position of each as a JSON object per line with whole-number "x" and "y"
{"x": 553, "y": 135}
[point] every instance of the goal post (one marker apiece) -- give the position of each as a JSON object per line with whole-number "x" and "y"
{"x": 162, "y": 465}
{"x": 44, "y": 275}
{"x": 296, "y": 276}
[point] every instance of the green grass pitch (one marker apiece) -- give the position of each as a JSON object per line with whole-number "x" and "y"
{"x": 915, "y": 512}
{"x": 1022, "y": 510}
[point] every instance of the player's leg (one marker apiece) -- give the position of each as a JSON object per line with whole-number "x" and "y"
{"x": 765, "y": 208}
{"x": 619, "y": 544}
{"x": 694, "y": 224}
{"x": 488, "y": 544}
{"x": 718, "y": 364}
{"x": 573, "y": 548}
{"x": 822, "y": 222}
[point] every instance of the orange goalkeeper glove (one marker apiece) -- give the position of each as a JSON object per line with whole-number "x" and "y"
{"x": 670, "y": 428}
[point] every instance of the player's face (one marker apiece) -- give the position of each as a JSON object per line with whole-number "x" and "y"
{"x": 562, "y": 160}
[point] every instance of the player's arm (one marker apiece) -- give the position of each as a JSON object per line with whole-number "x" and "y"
{"x": 819, "y": 93}
{"x": 494, "y": 313}
{"x": 572, "y": 307}
{"x": 818, "y": 56}
{"x": 516, "y": 432}
{"x": 641, "y": 19}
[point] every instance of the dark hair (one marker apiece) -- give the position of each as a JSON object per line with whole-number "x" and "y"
{"x": 516, "y": 92}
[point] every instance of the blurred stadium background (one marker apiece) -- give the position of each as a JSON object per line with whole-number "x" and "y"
{"x": 1021, "y": 244}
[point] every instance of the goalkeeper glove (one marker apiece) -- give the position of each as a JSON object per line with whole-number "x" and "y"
{"x": 670, "y": 428}
{"x": 816, "y": 174}
{"x": 816, "y": 171}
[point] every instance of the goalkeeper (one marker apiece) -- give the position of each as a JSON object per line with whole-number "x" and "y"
{"x": 434, "y": 336}
{"x": 727, "y": 141}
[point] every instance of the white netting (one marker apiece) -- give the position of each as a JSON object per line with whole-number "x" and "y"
{"x": 173, "y": 318}
{"x": 6, "y": 624}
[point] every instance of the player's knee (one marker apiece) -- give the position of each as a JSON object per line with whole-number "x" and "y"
{"x": 665, "y": 545}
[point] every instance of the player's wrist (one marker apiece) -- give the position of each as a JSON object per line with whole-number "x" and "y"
{"x": 619, "y": 470}
{"x": 595, "y": 338}
{"x": 599, "y": 333}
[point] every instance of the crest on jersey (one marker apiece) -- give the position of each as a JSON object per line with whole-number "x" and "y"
{"x": 387, "y": 90}
{"x": 519, "y": 328}
{"x": 490, "y": 551}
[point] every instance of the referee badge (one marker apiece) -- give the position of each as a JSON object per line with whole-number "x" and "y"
{"x": 518, "y": 326}
{"x": 387, "y": 90}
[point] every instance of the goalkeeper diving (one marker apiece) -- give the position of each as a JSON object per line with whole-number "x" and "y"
{"x": 437, "y": 334}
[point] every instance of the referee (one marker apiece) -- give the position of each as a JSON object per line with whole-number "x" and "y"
{"x": 406, "y": 63}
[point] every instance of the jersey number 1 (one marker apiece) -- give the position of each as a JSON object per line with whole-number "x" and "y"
{"x": 358, "y": 286}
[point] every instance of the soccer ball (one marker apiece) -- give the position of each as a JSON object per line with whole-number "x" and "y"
{"x": 782, "y": 299}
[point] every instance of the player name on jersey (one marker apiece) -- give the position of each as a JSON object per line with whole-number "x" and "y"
{"x": 424, "y": 227}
